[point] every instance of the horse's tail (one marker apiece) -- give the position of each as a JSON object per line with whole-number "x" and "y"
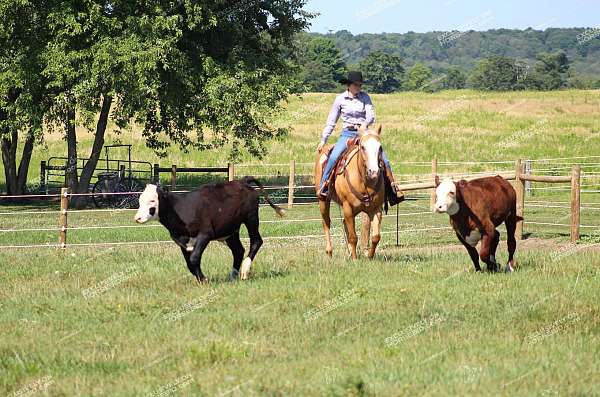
{"x": 250, "y": 179}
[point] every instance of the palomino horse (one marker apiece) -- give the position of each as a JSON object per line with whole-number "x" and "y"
{"x": 359, "y": 189}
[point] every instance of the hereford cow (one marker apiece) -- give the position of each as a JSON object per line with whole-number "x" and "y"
{"x": 212, "y": 212}
{"x": 476, "y": 208}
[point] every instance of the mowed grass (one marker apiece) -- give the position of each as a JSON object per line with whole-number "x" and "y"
{"x": 130, "y": 320}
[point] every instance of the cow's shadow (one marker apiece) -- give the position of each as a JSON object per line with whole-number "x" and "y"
{"x": 224, "y": 278}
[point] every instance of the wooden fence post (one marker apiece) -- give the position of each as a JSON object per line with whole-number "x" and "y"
{"x": 43, "y": 177}
{"x": 527, "y": 171}
{"x": 292, "y": 183}
{"x": 156, "y": 174}
{"x": 433, "y": 174}
{"x": 230, "y": 172}
{"x": 520, "y": 190}
{"x": 173, "y": 177}
{"x": 575, "y": 202}
{"x": 62, "y": 218}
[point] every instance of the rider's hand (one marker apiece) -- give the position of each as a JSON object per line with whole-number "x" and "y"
{"x": 320, "y": 146}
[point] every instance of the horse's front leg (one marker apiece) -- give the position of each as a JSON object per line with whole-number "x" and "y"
{"x": 324, "y": 206}
{"x": 350, "y": 229}
{"x": 376, "y": 232}
{"x": 365, "y": 233}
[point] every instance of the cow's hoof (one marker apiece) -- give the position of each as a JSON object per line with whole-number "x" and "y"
{"x": 202, "y": 280}
{"x": 245, "y": 268}
{"x": 234, "y": 275}
{"x": 509, "y": 268}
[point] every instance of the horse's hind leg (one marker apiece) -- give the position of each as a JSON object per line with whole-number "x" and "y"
{"x": 351, "y": 230}
{"x": 376, "y": 232}
{"x": 324, "y": 207}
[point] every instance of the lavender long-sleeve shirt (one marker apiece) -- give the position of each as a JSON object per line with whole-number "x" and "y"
{"x": 353, "y": 109}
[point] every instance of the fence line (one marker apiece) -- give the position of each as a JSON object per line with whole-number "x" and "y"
{"x": 268, "y": 238}
{"x": 520, "y": 176}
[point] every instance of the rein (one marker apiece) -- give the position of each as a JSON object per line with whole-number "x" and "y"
{"x": 366, "y": 198}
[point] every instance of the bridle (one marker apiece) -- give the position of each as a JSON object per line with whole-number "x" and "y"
{"x": 366, "y": 197}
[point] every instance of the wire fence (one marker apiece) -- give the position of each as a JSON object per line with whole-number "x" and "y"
{"x": 301, "y": 191}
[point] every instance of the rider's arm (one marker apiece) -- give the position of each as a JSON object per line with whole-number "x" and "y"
{"x": 332, "y": 119}
{"x": 369, "y": 111}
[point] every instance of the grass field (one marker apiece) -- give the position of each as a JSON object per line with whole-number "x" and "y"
{"x": 129, "y": 320}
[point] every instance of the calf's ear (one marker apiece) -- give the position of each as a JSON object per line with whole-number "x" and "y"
{"x": 161, "y": 191}
{"x": 437, "y": 181}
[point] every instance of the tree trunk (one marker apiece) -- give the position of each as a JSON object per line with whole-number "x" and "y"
{"x": 9, "y": 159}
{"x": 24, "y": 164}
{"x": 16, "y": 180}
{"x": 82, "y": 186}
{"x": 71, "y": 166}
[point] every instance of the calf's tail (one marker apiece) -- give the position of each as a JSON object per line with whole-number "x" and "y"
{"x": 250, "y": 179}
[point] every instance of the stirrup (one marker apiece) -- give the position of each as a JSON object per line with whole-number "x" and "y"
{"x": 323, "y": 192}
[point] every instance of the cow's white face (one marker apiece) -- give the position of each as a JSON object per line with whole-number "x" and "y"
{"x": 148, "y": 209}
{"x": 445, "y": 197}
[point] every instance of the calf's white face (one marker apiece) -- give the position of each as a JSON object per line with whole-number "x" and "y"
{"x": 445, "y": 197}
{"x": 148, "y": 209}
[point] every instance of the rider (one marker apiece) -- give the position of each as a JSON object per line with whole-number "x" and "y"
{"x": 356, "y": 109}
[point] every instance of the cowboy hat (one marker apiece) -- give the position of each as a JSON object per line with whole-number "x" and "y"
{"x": 353, "y": 77}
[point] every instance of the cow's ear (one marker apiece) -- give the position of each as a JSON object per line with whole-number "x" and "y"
{"x": 460, "y": 185}
{"x": 162, "y": 191}
{"x": 437, "y": 181}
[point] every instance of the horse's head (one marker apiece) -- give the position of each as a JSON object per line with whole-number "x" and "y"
{"x": 370, "y": 151}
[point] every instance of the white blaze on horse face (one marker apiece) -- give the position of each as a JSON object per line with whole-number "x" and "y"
{"x": 445, "y": 197}
{"x": 148, "y": 208}
{"x": 371, "y": 147}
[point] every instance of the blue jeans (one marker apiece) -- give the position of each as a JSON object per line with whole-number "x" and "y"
{"x": 338, "y": 149}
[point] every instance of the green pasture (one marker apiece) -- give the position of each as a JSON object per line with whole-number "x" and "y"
{"x": 105, "y": 319}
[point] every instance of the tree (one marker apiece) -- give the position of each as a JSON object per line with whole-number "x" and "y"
{"x": 550, "y": 72}
{"x": 199, "y": 76}
{"x": 455, "y": 79}
{"x": 383, "y": 72}
{"x": 321, "y": 64}
{"x": 22, "y": 103}
{"x": 419, "y": 77}
{"x": 496, "y": 73}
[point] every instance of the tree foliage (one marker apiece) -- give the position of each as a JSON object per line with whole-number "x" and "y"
{"x": 383, "y": 72}
{"x": 495, "y": 73}
{"x": 196, "y": 74}
{"x": 321, "y": 64}
{"x": 418, "y": 78}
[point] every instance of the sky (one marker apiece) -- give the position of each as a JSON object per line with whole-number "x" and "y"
{"x": 401, "y": 16}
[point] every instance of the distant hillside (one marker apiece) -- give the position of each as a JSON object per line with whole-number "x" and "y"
{"x": 440, "y": 50}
